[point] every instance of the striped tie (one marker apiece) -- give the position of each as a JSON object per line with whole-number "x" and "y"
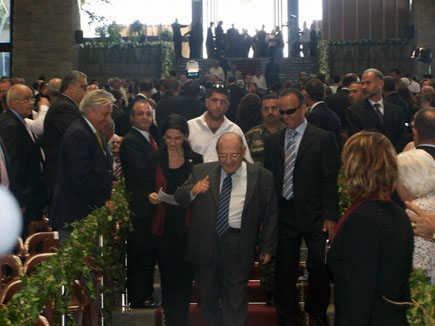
{"x": 289, "y": 165}
{"x": 224, "y": 205}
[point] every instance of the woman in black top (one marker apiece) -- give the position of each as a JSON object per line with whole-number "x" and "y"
{"x": 173, "y": 164}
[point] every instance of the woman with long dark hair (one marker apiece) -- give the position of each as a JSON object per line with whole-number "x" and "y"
{"x": 173, "y": 164}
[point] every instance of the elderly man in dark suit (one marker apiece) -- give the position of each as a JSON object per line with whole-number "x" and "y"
{"x": 85, "y": 170}
{"x": 376, "y": 114}
{"x": 135, "y": 153}
{"x": 63, "y": 112}
{"x": 304, "y": 161}
{"x": 25, "y": 155}
{"x": 229, "y": 200}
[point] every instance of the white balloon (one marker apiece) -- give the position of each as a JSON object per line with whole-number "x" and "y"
{"x": 11, "y": 221}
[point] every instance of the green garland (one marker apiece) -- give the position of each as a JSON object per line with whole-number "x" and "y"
{"x": 68, "y": 264}
{"x": 167, "y": 53}
{"x": 323, "y": 58}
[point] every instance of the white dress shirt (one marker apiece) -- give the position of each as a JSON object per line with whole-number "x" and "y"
{"x": 381, "y": 103}
{"x": 203, "y": 140}
{"x": 144, "y": 133}
{"x": 238, "y": 194}
{"x": 36, "y": 125}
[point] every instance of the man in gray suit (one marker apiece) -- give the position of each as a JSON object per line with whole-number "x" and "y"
{"x": 230, "y": 199}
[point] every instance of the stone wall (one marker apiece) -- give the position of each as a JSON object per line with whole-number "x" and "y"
{"x": 423, "y": 14}
{"x": 43, "y": 38}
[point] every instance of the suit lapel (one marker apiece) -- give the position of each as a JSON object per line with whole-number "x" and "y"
{"x": 251, "y": 176}
{"x": 306, "y": 140}
{"x": 372, "y": 115}
{"x": 215, "y": 178}
{"x": 105, "y": 154}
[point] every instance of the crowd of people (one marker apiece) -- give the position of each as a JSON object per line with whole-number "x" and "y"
{"x": 215, "y": 168}
{"x": 231, "y": 43}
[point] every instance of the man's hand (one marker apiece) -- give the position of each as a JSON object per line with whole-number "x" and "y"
{"x": 43, "y": 101}
{"x": 201, "y": 186}
{"x": 265, "y": 258}
{"x": 154, "y": 198}
{"x": 422, "y": 221}
{"x": 329, "y": 226}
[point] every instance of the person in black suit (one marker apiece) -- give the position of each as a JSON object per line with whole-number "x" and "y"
{"x": 25, "y": 155}
{"x": 304, "y": 161}
{"x": 371, "y": 252}
{"x": 424, "y": 130}
{"x": 236, "y": 94}
{"x": 135, "y": 153}
{"x": 229, "y": 200}
{"x": 387, "y": 119}
{"x": 191, "y": 106}
{"x": 85, "y": 166}
{"x": 170, "y": 102}
{"x": 390, "y": 94}
{"x": 63, "y": 112}
{"x": 339, "y": 101}
{"x": 173, "y": 164}
{"x": 319, "y": 114}
{"x": 176, "y": 27}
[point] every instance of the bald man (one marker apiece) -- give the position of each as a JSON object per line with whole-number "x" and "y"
{"x": 25, "y": 155}
{"x": 230, "y": 199}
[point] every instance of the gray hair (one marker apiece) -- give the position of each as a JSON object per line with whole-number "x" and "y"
{"x": 73, "y": 77}
{"x": 377, "y": 73}
{"x": 416, "y": 172}
{"x": 14, "y": 90}
{"x": 95, "y": 99}
{"x": 242, "y": 144}
{"x": 53, "y": 86}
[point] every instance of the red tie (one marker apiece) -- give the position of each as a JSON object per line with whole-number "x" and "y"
{"x": 153, "y": 143}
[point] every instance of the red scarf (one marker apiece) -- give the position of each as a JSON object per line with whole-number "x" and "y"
{"x": 158, "y": 223}
{"x": 354, "y": 206}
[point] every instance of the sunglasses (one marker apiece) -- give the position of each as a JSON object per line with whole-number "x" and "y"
{"x": 289, "y": 111}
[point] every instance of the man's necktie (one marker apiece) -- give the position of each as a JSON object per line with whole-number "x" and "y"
{"x": 289, "y": 166}
{"x": 100, "y": 142}
{"x": 224, "y": 206}
{"x": 379, "y": 113}
{"x": 117, "y": 170}
{"x": 153, "y": 143}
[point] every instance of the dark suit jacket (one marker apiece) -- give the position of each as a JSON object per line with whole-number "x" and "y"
{"x": 323, "y": 117}
{"x": 63, "y": 112}
{"x": 314, "y": 176}
{"x": 85, "y": 176}
{"x": 362, "y": 116}
{"x": 394, "y": 98}
{"x": 135, "y": 154}
{"x": 169, "y": 104}
{"x": 260, "y": 207}
{"x": 371, "y": 257}
{"x": 429, "y": 149}
{"x": 23, "y": 162}
{"x": 338, "y": 103}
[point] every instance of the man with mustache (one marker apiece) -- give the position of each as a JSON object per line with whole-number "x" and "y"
{"x": 271, "y": 124}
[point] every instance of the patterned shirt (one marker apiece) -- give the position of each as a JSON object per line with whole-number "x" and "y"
{"x": 255, "y": 138}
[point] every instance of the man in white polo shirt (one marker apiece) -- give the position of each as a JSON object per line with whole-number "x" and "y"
{"x": 205, "y": 130}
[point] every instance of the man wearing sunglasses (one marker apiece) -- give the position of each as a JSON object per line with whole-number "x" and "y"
{"x": 304, "y": 161}
{"x": 206, "y": 129}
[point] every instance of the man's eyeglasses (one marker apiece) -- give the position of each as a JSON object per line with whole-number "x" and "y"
{"x": 26, "y": 100}
{"x": 225, "y": 156}
{"x": 289, "y": 111}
